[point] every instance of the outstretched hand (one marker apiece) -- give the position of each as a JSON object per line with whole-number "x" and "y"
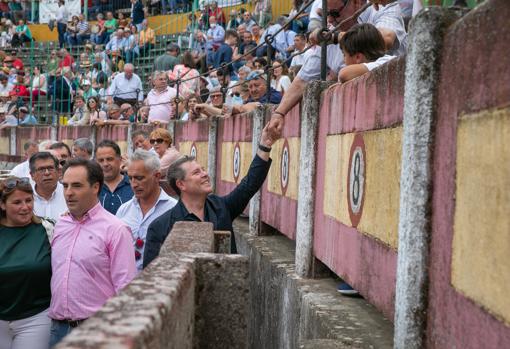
{"x": 275, "y": 126}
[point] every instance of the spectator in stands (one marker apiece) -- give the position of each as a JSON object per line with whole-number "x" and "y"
{"x": 20, "y": 88}
{"x": 116, "y": 188}
{"x": 279, "y": 44}
{"x": 23, "y": 169}
{"x": 149, "y": 201}
{"x": 61, "y": 19}
{"x": 62, "y": 153}
{"x": 83, "y": 148}
{"x": 234, "y": 21}
{"x": 168, "y": 60}
{"x": 140, "y": 140}
{"x": 51, "y": 67}
{"x": 22, "y": 34}
{"x": 131, "y": 49}
{"x": 260, "y": 63}
{"x": 122, "y": 20}
{"x": 159, "y": 99}
{"x": 25, "y": 118}
{"x": 315, "y": 16}
{"x": 79, "y": 244}
{"x": 39, "y": 84}
{"x": 126, "y": 87}
{"x": 63, "y": 91}
{"x": 256, "y": 33}
{"x": 215, "y": 37}
{"x": 213, "y": 108}
{"x": 83, "y": 30}
{"x": 94, "y": 111}
{"x": 111, "y": 25}
{"x": 299, "y": 47}
{"x": 147, "y": 39}
{"x": 116, "y": 43}
{"x": 189, "y": 106}
{"x": 197, "y": 203}
{"x": 248, "y": 21}
{"x": 66, "y": 60}
{"x": 241, "y": 29}
{"x": 115, "y": 116}
{"x": 225, "y": 51}
{"x": 81, "y": 115}
{"x": 71, "y": 31}
{"x": 262, "y": 12}
{"x": 161, "y": 141}
{"x": 190, "y": 76}
{"x": 217, "y": 13}
{"x": 300, "y": 24}
{"x": 143, "y": 114}
{"x": 363, "y": 48}
{"x": 280, "y": 80}
{"x": 247, "y": 41}
{"x": 137, "y": 14}
{"x": 257, "y": 85}
{"x": 87, "y": 90}
{"x": 49, "y": 201}
{"x": 387, "y": 19}
{"x": 26, "y": 269}
{"x": 14, "y": 103}
{"x": 5, "y": 86}
{"x": 98, "y": 31}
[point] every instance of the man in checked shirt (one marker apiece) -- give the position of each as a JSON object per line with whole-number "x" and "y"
{"x": 92, "y": 251}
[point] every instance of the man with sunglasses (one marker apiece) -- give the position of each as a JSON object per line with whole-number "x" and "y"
{"x": 49, "y": 201}
{"x": 62, "y": 153}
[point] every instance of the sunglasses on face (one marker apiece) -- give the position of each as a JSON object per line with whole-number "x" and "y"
{"x": 157, "y": 141}
{"x": 62, "y": 162}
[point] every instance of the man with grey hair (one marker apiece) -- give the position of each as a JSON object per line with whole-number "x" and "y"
{"x": 159, "y": 99}
{"x": 149, "y": 202}
{"x": 126, "y": 87}
{"x": 83, "y": 148}
{"x": 196, "y": 203}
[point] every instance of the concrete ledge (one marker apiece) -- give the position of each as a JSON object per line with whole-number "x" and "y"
{"x": 287, "y": 309}
{"x": 190, "y": 237}
{"x": 181, "y": 300}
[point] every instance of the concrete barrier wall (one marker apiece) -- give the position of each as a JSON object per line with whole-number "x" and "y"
{"x": 357, "y": 191}
{"x": 469, "y": 266}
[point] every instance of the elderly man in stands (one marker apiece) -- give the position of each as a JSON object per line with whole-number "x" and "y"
{"x": 83, "y": 30}
{"x": 23, "y": 169}
{"x": 384, "y": 15}
{"x": 80, "y": 116}
{"x": 126, "y": 87}
{"x": 116, "y": 43}
{"x": 49, "y": 201}
{"x": 92, "y": 251}
{"x": 159, "y": 99}
{"x": 141, "y": 140}
{"x": 215, "y": 37}
{"x": 257, "y": 85}
{"x": 83, "y": 148}
{"x": 149, "y": 201}
{"x": 116, "y": 189}
{"x": 279, "y": 44}
{"x": 197, "y": 203}
{"x": 248, "y": 21}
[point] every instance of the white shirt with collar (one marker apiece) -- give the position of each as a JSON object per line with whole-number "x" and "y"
{"x": 21, "y": 170}
{"x": 52, "y": 208}
{"x": 131, "y": 214}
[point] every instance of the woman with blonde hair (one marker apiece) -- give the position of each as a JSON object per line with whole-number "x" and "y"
{"x": 161, "y": 141}
{"x": 25, "y": 268}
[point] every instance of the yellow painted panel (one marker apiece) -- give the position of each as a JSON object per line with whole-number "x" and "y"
{"x": 382, "y": 185}
{"x": 202, "y": 148}
{"x": 123, "y": 145}
{"x": 335, "y": 181}
{"x": 5, "y": 145}
{"x": 274, "y": 177}
{"x": 227, "y": 162}
{"x": 380, "y": 214}
{"x": 481, "y": 237}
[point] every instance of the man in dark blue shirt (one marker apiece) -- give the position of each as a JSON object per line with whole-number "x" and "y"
{"x": 224, "y": 53}
{"x": 257, "y": 85}
{"x": 116, "y": 188}
{"x": 197, "y": 203}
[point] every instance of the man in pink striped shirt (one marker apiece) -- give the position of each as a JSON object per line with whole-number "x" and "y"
{"x": 92, "y": 253}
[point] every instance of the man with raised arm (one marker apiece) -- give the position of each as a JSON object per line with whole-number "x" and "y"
{"x": 197, "y": 203}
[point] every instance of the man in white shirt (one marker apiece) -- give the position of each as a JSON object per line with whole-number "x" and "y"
{"x": 126, "y": 87}
{"x": 61, "y": 19}
{"x": 149, "y": 202}
{"x": 23, "y": 169}
{"x": 299, "y": 46}
{"x": 49, "y": 201}
{"x": 5, "y": 86}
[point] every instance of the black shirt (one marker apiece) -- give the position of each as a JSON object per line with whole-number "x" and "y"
{"x": 219, "y": 210}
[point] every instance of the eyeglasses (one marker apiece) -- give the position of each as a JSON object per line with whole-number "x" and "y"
{"x": 42, "y": 170}
{"x": 217, "y": 96}
{"x": 62, "y": 162}
{"x": 13, "y": 182}
{"x": 158, "y": 141}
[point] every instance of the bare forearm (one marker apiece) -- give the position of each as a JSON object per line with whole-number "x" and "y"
{"x": 292, "y": 96}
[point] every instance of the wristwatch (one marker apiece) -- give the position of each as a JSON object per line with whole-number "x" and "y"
{"x": 264, "y": 148}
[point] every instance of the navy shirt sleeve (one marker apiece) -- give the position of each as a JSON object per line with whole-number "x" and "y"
{"x": 237, "y": 200}
{"x": 156, "y": 234}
